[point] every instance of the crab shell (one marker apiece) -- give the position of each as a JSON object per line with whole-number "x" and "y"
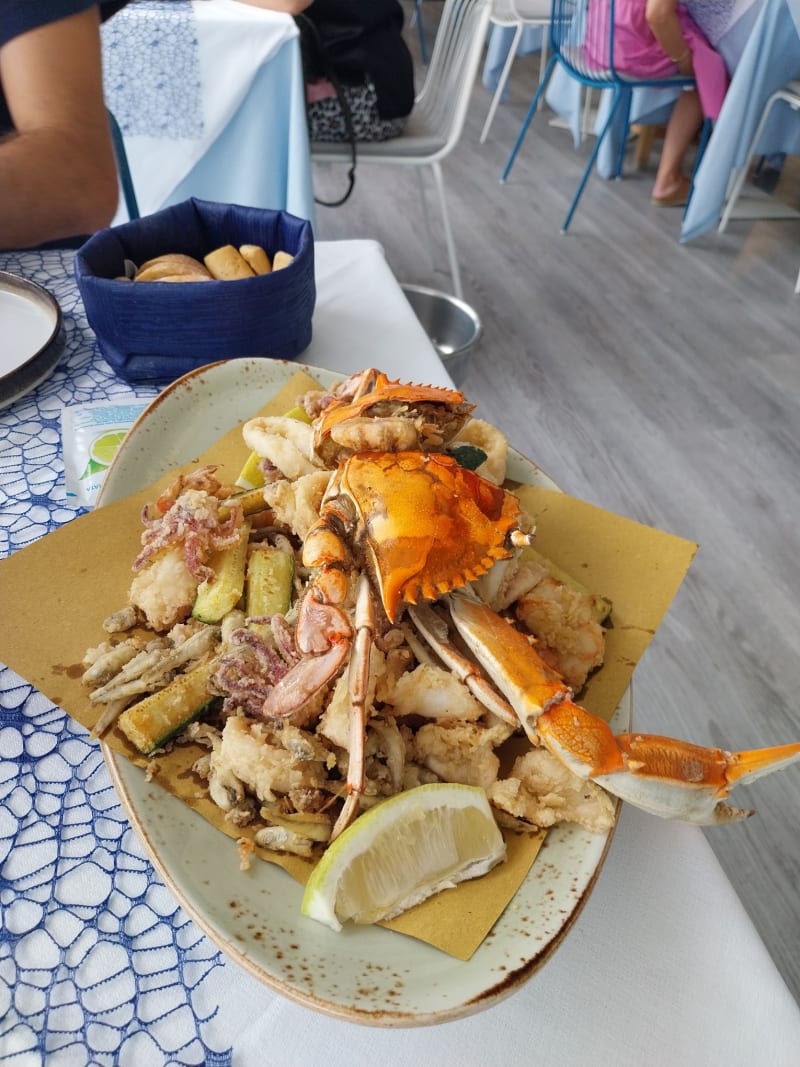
{"x": 424, "y": 524}
{"x": 438, "y": 413}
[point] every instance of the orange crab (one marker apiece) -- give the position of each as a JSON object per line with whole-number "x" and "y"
{"x": 415, "y": 524}
{"x": 372, "y": 412}
{"x": 424, "y": 525}
{"x": 419, "y": 528}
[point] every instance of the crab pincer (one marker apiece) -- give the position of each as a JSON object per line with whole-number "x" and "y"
{"x": 664, "y": 776}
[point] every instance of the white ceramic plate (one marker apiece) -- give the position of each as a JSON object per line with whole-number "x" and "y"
{"x": 363, "y": 974}
{"x": 32, "y": 342}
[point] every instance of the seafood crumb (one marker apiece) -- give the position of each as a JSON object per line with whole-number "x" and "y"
{"x": 246, "y": 849}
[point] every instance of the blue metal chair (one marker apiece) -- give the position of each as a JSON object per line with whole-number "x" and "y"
{"x": 423, "y": 51}
{"x": 123, "y": 169}
{"x": 567, "y": 32}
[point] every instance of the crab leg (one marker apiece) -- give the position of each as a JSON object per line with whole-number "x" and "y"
{"x": 358, "y": 684}
{"x": 434, "y": 630}
{"x": 666, "y": 777}
{"x": 323, "y": 636}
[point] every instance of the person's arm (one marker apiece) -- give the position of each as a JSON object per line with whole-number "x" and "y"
{"x": 58, "y": 174}
{"x": 662, "y": 18}
{"x": 291, "y": 7}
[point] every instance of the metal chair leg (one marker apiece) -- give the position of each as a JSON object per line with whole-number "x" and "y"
{"x": 455, "y": 273}
{"x": 529, "y": 117}
{"x": 426, "y": 217}
{"x": 627, "y": 97}
{"x": 125, "y": 179}
{"x": 593, "y": 157}
{"x": 423, "y": 51}
{"x": 502, "y": 81}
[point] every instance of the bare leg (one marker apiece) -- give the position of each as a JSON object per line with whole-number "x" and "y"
{"x": 684, "y": 122}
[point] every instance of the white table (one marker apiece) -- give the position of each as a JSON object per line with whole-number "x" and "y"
{"x": 662, "y": 966}
{"x": 210, "y": 99}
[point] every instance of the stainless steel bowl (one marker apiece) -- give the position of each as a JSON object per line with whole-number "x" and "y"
{"x": 453, "y": 327}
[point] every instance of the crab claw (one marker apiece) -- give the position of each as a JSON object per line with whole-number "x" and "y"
{"x": 666, "y": 777}
{"x": 324, "y": 635}
{"x": 510, "y": 660}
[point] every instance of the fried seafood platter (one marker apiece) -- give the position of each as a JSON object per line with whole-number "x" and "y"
{"x": 358, "y": 589}
{"x": 367, "y": 611}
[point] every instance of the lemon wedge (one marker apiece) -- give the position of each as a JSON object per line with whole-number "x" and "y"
{"x": 402, "y": 851}
{"x": 251, "y": 476}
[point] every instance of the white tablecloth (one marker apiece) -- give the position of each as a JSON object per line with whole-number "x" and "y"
{"x": 211, "y": 102}
{"x": 98, "y": 961}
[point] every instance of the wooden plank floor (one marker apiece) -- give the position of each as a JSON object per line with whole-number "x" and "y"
{"x": 656, "y": 380}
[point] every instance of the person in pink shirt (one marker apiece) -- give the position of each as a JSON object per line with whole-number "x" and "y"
{"x": 657, "y": 39}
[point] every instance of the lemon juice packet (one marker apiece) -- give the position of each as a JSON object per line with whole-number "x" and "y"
{"x": 91, "y": 434}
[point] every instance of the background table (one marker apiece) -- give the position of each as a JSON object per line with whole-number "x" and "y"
{"x": 727, "y": 26}
{"x": 770, "y": 58}
{"x": 210, "y": 99}
{"x": 98, "y": 961}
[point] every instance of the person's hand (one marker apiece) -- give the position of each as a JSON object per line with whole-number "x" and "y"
{"x": 290, "y": 7}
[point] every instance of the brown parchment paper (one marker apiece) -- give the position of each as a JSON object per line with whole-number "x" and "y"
{"x": 55, "y": 593}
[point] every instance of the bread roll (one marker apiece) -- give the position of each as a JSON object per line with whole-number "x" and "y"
{"x": 226, "y": 264}
{"x": 173, "y": 264}
{"x": 281, "y": 259}
{"x": 184, "y": 278}
{"x": 256, "y": 257}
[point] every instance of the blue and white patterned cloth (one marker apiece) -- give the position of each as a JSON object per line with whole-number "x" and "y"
{"x": 98, "y": 964}
{"x": 210, "y": 99}
{"x": 151, "y": 71}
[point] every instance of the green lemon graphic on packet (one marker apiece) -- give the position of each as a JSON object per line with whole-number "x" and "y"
{"x": 102, "y": 450}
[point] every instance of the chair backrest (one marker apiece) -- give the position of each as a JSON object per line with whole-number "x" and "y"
{"x": 123, "y": 169}
{"x": 444, "y": 98}
{"x": 568, "y": 38}
{"x": 522, "y": 10}
{"x": 582, "y": 36}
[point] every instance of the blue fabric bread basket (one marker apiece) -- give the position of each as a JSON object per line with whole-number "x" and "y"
{"x": 156, "y": 331}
